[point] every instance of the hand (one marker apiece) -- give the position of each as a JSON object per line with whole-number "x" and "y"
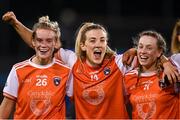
{"x": 9, "y": 17}
{"x": 171, "y": 72}
{"x": 128, "y": 56}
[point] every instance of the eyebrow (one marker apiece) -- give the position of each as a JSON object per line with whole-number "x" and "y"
{"x": 145, "y": 45}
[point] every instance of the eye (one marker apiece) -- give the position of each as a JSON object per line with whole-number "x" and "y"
{"x": 49, "y": 40}
{"x": 140, "y": 47}
{"x": 38, "y": 40}
{"x": 92, "y": 40}
{"x": 103, "y": 40}
{"x": 149, "y": 48}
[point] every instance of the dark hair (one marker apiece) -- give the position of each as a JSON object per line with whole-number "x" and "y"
{"x": 161, "y": 44}
{"x": 160, "y": 40}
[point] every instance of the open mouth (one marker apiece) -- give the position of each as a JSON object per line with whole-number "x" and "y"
{"x": 143, "y": 58}
{"x": 43, "y": 51}
{"x": 97, "y": 54}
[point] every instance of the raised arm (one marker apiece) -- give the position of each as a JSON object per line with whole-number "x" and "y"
{"x": 24, "y": 32}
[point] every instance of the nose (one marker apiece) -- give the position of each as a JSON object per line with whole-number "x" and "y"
{"x": 43, "y": 43}
{"x": 98, "y": 43}
{"x": 142, "y": 50}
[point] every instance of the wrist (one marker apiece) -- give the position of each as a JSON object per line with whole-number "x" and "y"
{"x": 164, "y": 60}
{"x": 134, "y": 51}
{"x": 14, "y": 22}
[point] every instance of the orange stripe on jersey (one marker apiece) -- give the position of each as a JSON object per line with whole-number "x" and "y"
{"x": 20, "y": 64}
{"x": 132, "y": 72}
{"x": 57, "y": 60}
{"x": 41, "y": 91}
{"x": 61, "y": 63}
{"x": 9, "y": 96}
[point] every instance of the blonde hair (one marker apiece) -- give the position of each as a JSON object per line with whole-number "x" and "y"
{"x": 81, "y": 38}
{"x": 45, "y": 23}
{"x": 175, "y": 44}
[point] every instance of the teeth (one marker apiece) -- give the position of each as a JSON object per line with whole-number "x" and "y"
{"x": 143, "y": 57}
{"x": 97, "y": 50}
{"x": 43, "y": 50}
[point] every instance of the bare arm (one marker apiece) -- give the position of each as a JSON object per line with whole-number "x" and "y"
{"x": 169, "y": 69}
{"x": 128, "y": 56}
{"x": 6, "y": 108}
{"x": 24, "y": 32}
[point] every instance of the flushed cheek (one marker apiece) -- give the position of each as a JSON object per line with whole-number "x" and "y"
{"x": 89, "y": 55}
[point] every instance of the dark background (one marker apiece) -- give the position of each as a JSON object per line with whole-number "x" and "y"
{"x": 123, "y": 19}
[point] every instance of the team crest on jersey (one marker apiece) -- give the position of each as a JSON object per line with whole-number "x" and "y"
{"x": 107, "y": 70}
{"x": 57, "y": 80}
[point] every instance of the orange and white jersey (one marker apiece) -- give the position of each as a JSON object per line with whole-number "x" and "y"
{"x": 98, "y": 92}
{"x": 148, "y": 100}
{"x": 39, "y": 91}
{"x": 68, "y": 57}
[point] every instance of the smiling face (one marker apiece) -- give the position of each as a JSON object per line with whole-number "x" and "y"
{"x": 44, "y": 44}
{"x": 148, "y": 52}
{"x": 95, "y": 46}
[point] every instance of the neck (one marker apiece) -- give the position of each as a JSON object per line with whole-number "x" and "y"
{"x": 41, "y": 61}
{"x": 149, "y": 68}
{"x": 92, "y": 65}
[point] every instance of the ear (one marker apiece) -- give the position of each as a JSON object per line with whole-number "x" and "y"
{"x": 83, "y": 47}
{"x": 57, "y": 44}
{"x": 33, "y": 43}
{"x": 160, "y": 52}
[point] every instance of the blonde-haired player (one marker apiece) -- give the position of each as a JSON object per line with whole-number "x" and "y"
{"x": 37, "y": 86}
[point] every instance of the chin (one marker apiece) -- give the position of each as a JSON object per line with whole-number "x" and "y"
{"x": 98, "y": 62}
{"x": 143, "y": 64}
{"x": 42, "y": 57}
{"x": 45, "y": 58}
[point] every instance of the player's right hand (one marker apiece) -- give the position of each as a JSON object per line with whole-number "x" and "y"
{"x": 9, "y": 17}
